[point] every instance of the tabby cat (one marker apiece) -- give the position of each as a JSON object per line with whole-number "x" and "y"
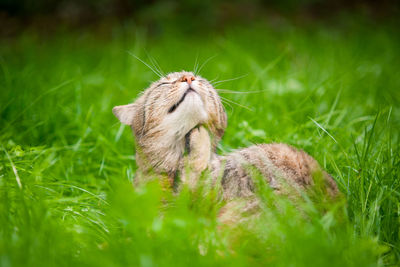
{"x": 177, "y": 123}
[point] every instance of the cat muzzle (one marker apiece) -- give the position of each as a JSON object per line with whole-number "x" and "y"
{"x": 174, "y": 107}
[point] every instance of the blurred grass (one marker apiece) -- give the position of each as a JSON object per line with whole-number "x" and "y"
{"x": 67, "y": 164}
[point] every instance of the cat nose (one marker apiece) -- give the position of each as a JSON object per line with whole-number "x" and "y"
{"x": 188, "y": 79}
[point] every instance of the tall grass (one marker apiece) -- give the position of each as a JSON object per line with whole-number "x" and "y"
{"x": 66, "y": 164}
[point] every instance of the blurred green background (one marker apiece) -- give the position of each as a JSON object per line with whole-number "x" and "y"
{"x": 323, "y": 76}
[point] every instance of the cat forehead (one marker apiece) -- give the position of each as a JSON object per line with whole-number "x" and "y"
{"x": 178, "y": 75}
{"x": 172, "y": 78}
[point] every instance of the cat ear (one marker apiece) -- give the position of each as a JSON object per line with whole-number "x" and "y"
{"x": 125, "y": 113}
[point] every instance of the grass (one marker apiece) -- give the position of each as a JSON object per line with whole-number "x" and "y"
{"x": 66, "y": 164}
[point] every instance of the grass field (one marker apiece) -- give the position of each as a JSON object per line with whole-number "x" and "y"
{"x": 66, "y": 163}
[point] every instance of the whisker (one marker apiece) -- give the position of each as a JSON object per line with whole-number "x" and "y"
{"x": 157, "y": 67}
{"x": 211, "y": 81}
{"x": 147, "y": 65}
{"x": 227, "y": 103}
{"x": 228, "y": 80}
{"x": 155, "y": 64}
{"x": 233, "y": 102}
{"x": 205, "y": 62}
{"x": 225, "y": 100}
{"x": 196, "y": 65}
{"x": 227, "y": 91}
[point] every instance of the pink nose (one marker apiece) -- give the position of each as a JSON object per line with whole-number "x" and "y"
{"x": 188, "y": 79}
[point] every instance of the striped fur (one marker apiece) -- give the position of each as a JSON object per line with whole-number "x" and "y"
{"x": 177, "y": 131}
{"x": 164, "y": 114}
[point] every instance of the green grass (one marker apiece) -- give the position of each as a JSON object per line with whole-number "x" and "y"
{"x": 66, "y": 163}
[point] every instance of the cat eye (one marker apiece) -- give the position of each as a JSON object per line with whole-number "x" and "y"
{"x": 163, "y": 83}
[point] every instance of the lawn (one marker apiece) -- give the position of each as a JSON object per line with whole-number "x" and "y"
{"x": 67, "y": 164}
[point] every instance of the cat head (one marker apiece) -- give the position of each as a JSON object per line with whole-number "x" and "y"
{"x": 169, "y": 109}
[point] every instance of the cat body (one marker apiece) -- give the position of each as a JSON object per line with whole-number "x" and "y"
{"x": 282, "y": 166}
{"x": 177, "y": 123}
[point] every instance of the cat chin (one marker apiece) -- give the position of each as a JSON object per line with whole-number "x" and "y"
{"x": 190, "y": 113}
{"x": 193, "y": 108}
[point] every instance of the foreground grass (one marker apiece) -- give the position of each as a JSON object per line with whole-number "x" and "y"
{"x": 67, "y": 164}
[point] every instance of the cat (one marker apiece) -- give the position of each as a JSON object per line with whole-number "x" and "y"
{"x": 177, "y": 123}
{"x": 162, "y": 117}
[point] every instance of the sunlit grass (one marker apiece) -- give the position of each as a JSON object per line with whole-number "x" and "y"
{"x": 67, "y": 164}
